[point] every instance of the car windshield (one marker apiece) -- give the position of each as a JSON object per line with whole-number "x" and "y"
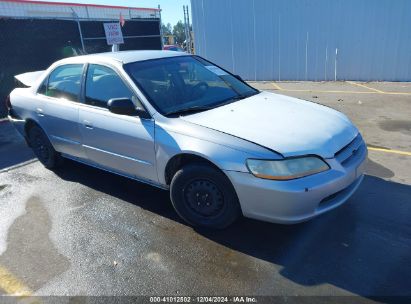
{"x": 181, "y": 84}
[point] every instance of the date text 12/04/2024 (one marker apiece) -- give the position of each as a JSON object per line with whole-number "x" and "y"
{"x": 203, "y": 299}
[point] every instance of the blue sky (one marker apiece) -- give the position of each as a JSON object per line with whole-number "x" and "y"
{"x": 172, "y": 10}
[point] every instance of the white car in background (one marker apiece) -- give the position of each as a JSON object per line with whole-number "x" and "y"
{"x": 179, "y": 122}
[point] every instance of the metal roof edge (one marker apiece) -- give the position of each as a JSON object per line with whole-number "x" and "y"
{"x": 82, "y": 5}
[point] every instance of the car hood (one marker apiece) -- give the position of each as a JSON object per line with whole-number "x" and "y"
{"x": 287, "y": 125}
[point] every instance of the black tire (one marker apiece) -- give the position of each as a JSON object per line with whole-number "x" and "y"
{"x": 204, "y": 196}
{"x": 42, "y": 148}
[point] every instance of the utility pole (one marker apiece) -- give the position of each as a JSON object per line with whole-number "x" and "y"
{"x": 187, "y": 28}
{"x": 161, "y": 27}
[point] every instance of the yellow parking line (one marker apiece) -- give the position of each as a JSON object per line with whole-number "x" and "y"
{"x": 364, "y": 86}
{"x": 346, "y": 92}
{"x": 276, "y": 86}
{"x": 370, "y": 90}
{"x": 390, "y": 151}
{"x": 397, "y": 93}
{"x": 11, "y": 285}
{"x": 327, "y": 91}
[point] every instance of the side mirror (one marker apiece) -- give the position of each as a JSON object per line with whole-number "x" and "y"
{"x": 238, "y": 77}
{"x": 125, "y": 106}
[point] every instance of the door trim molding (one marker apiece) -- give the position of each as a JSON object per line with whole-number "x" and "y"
{"x": 65, "y": 140}
{"x": 119, "y": 155}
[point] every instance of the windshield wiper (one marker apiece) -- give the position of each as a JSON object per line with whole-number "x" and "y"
{"x": 209, "y": 107}
{"x": 190, "y": 110}
{"x": 204, "y": 108}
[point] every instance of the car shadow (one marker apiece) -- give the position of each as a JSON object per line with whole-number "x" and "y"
{"x": 362, "y": 247}
{"x": 13, "y": 148}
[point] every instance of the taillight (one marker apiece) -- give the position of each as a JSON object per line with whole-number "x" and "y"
{"x": 8, "y": 102}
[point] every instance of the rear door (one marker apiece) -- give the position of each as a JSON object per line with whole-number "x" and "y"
{"x": 58, "y": 111}
{"x": 120, "y": 143}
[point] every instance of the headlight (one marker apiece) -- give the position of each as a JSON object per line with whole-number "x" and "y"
{"x": 285, "y": 169}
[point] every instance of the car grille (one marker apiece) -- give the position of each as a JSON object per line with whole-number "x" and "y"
{"x": 351, "y": 152}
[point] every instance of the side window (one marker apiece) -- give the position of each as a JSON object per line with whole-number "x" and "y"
{"x": 63, "y": 82}
{"x": 103, "y": 84}
{"x": 43, "y": 88}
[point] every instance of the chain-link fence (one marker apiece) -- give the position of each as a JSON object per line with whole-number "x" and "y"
{"x": 33, "y": 44}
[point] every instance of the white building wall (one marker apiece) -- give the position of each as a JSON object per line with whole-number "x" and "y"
{"x": 299, "y": 39}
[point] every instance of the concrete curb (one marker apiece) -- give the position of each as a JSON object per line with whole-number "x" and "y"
{"x": 19, "y": 165}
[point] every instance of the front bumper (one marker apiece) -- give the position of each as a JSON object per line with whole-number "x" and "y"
{"x": 298, "y": 200}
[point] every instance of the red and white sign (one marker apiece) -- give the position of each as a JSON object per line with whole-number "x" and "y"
{"x": 122, "y": 20}
{"x": 113, "y": 33}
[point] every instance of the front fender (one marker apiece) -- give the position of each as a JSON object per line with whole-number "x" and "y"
{"x": 170, "y": 143}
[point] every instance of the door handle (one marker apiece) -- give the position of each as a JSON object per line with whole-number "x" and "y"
{"x": 87, "y": 124}
{"x": 39, "y": 112}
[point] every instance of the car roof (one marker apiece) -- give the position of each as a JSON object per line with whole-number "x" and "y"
{"x": 123, "y": 56}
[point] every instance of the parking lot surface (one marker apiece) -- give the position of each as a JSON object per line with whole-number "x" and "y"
{"x": 81, "y": 231}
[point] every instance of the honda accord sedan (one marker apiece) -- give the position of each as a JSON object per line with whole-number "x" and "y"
{"x": 179, "y": 122}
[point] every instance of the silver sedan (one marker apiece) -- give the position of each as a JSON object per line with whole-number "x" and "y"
{"x": 180, "y": 122}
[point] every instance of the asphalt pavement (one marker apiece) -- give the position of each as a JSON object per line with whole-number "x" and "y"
{"x": 82, "y": 231}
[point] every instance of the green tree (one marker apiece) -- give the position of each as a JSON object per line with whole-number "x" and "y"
{"x": 166, "y": 29}
{"x": 178, "y": 32}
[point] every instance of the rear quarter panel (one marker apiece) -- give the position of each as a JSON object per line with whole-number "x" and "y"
{"x": 25, "y": 103}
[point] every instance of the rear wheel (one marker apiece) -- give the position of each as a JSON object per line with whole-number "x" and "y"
{"x": 203, "y": 196}
{"x": 42, "y": 147}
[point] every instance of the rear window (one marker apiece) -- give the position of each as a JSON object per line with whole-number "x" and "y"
{"x": 64, "y": 82}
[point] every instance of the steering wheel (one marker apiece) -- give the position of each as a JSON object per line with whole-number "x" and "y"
{"x": 199, "y": 89}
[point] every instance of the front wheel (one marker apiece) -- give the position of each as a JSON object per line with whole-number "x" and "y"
{"x": 203, "y": 196}
{"x": 42, "y": 147}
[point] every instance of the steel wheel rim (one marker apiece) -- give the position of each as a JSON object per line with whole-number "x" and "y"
{"x": 204, "y": 198}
